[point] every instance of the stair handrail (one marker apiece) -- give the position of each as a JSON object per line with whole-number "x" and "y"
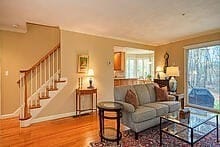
{"x": 42, "y": 59}
{"x": 25, "y": 112}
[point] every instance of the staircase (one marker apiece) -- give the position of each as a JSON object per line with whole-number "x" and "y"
{"x": 39, "y": 85}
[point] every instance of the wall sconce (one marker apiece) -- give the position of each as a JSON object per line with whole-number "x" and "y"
{"x": 90, "y": 75}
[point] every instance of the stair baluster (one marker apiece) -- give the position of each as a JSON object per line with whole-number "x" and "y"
{"x": 34, "y": 81}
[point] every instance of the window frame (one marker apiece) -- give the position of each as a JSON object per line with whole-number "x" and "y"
{"x": 137, "y": 57}
{"x": 186, "y": 51}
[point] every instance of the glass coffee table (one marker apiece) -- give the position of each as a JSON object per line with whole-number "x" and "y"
{"x": 199, "y": 124}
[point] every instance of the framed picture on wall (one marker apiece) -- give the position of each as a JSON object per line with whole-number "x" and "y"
{"x": 83, "y": 63}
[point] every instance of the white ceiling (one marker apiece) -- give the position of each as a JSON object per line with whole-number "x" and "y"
{"x": 152, "y": 22}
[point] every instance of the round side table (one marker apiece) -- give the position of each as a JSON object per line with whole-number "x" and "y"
{"x": 110, "y": 133}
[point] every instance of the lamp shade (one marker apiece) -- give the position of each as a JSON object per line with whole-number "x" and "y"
{"x": 90, "y": 73}
{"x": 173, "y": 71}
{"x": 159, "y": 69}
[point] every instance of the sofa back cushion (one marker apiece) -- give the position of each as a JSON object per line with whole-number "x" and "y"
{"x": 142, "y": 93}
{"x": 120, "y": 92}
{"x": 161, "y": 93}
{"x": 131, "y": 98}
{"x": 151, "y": 90}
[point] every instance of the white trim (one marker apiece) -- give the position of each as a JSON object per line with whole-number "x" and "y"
{"x": 14, "y": 114}
{"x": 205, "y": 44}
{"x": 0, "y": 85}
{"x": 186, "y": 49}
{"x": 185, "y": 76}
{"x": 204, "y": 108}
{"x": 111, "y": 37}
{"x": 52, "y": 117}
{"x": 56, "y": 116}
{"x": 23, "y": 29}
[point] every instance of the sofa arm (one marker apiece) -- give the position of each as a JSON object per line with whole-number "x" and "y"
{"x": 171, "y": 98}
{"x": 126, "y": 106}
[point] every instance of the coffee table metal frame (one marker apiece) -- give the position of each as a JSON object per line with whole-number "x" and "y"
{"x": 190, "y": 140}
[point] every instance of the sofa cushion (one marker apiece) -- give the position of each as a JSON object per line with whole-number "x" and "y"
{"x": 131, "y": 98}
{"x": 151, "y": 90}
{"x": 126, "y": 106}
{"x": 143, "y": 113}
{"x": 161, "y": 109}
{"x": 173, "y": 105}
{"x": 120, "y": 92}
{"x": 142, "y": 93}
{"x": 161, "y": 93}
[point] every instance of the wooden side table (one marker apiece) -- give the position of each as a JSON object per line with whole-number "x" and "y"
{"x": 109, "y": 133}
{"x": 88, "y": 91}
{"x": 179, "y": 97}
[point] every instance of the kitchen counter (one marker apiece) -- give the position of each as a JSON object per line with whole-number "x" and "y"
{"x": 124, "y": 78}
{"x": 125, "y": 81}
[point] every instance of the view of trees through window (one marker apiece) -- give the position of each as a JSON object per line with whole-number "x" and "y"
{"x": 203, "y": 76}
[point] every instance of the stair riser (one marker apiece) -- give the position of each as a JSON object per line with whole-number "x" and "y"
{"x": 43, "y": 103}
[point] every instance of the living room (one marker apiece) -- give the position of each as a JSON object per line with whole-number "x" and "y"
{"x": 26, "y": 35}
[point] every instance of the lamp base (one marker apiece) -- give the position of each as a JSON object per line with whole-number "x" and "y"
{"x": 90, "y": 84}
{"x": 173, "y": 85}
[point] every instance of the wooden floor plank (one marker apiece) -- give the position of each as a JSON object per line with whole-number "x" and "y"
{"x": 70, "y": 131}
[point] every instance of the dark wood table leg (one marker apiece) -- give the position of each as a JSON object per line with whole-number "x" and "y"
{"x": 217, "y": 127}
{"x": 92, "y": 102}
{"x": 160, "y": 132}
{"x": 191, "y": 137}
{"x": 118, "y": 127}
{"x": 101, "y": 124}
{"x": 76, "y": 104}
{"x": 96, "y": 102}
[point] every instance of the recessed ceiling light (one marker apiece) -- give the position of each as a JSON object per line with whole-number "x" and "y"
{"x": 15, "y": 25}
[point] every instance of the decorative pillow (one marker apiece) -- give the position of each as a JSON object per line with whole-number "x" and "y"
{"x": 161, "y": 93}
{"x": 131, "y": 98}
{"x": 156, "y": 85}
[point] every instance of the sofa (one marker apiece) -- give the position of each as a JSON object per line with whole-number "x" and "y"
{"x": 148, "y": 112}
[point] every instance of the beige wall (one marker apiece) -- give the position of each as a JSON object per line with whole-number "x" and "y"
{"x": 100, "y": 51}
{"x": 176, "y": 52}
{"x": 21, "y": 51}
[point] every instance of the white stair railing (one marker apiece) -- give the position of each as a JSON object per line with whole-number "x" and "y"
{"x": 33, "y": 79}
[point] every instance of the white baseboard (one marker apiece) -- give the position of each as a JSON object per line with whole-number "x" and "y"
{"x": 14, "y": 114}
{"x": 52, "y": 117}
{"x": 57, "y": 116}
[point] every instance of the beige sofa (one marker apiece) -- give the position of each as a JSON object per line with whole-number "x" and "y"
{"x": 148, "y": 112}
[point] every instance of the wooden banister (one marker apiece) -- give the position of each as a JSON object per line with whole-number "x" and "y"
{"x": 31, "y": 79}
{"x": 42, "y": 59}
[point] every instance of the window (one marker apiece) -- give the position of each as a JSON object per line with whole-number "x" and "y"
{"x": 139, "y": 66}
{"x": 203, "y": 76}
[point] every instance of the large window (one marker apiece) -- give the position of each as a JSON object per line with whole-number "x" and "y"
{"x": 139, "y": 66}
{"x": 203, "y": 76}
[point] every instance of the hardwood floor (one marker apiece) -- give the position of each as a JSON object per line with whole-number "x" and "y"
{"x": 70, "y": 131}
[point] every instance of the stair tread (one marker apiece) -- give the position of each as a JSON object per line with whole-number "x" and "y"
{"x": 44, "y": 97}
{"x": 60, "y": 81}
{"x": 52, "y": 89}
{"x": 34, "y": 107}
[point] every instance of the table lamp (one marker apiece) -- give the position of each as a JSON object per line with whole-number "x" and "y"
{"x": 90, "y": 75}
{"x": 173, "y": 71}
{"x": 158, "y": 70}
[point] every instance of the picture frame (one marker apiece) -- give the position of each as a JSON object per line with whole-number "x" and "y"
{"x": 83, "y": 63}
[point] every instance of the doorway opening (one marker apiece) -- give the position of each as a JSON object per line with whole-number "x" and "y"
{"x": 203, "y": 76}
